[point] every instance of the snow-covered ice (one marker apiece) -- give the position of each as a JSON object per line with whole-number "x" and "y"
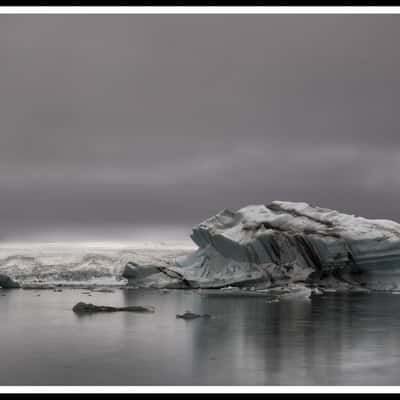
{"x": 80, "y": 263}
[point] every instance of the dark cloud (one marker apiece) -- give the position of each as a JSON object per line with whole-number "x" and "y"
{"x": 115, "y": 122}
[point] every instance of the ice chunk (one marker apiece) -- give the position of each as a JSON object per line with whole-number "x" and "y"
{"x": 288, "y": 241}
{"x": 7, "y": 283}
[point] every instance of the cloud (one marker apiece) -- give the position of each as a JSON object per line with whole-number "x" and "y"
{"x": 132, "y": 120}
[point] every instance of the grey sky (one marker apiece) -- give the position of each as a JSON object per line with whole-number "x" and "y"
{"x": 112, "y": 123}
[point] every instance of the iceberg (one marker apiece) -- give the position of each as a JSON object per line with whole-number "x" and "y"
{"x": 7, "y": 283}
{"x": 284, "y": 243}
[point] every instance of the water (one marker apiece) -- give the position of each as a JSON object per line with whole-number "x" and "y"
{"x": 331, "y": 340}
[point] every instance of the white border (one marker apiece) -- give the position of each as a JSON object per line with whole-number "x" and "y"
{"x": 200, "y": 389}
{"x": 200, "y": 10}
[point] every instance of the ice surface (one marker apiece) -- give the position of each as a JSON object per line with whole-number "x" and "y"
{"x": 75, "y": 263}
{"x": 288, "y": 241}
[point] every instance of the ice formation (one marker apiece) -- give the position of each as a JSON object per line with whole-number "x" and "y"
{"x": 71, "y": 264}
{"x": 321, "y": 238}
{"x": 7, "y": 283}
{"x": 256, "y": 248}
{"x": 263, "y": 246}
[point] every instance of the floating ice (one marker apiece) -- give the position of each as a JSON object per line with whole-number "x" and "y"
{"x": 287, "y": 242}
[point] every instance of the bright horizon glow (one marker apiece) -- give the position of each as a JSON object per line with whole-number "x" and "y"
{"x": 110, "y": 244}
{"x": 74, "y": 234}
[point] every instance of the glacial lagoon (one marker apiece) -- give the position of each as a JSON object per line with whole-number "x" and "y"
{"x": 334, "y": 339}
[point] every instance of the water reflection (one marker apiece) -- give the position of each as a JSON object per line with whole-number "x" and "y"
{"x": 331, "y": 340}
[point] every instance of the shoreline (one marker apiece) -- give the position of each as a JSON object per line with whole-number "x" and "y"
{"x": 276, "y": 291}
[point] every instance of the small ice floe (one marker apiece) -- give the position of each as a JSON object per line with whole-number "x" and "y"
{"x": 103, "y": 290}
{"x": 189, "y": 315}
{"x": 316, "y": 292}
{"x": 303, "y": 293}
{"x": 329, "y": 290}
{"x": 230, "y": 288}
{"x": 359, "y": 290}
{"x": 35, "y": 286}
{"x": 130, "y": 287}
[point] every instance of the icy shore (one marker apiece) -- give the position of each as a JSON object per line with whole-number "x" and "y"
{"x": 81, "y": 264}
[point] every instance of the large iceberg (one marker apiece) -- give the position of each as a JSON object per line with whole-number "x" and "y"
{"x": 262, "y": 246}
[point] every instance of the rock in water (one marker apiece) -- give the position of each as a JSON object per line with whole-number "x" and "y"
{"x": 286, "y": 241}
{"x": 189, "y": 315}
{"x": 88, "y": 308}
{"x": 7, "y": 283}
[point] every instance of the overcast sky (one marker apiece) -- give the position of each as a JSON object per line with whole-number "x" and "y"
{"x": 110, "y": 124}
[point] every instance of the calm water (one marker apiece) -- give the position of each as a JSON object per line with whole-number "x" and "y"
{"x": 331, "y": 340}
